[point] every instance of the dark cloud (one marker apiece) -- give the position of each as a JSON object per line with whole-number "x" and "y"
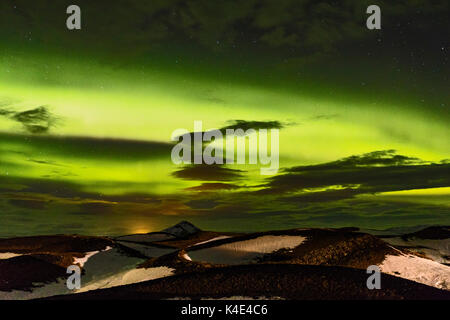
{"x": 69, "y": 227}
{"x": 300, "y": 26}
{"x": 28, "y": 204}
{"x": 244, "y": 125}
{"x": 56, "y": 188}
{"x": 5, "y": 107}
{"x": 377, "y": 213}
{"x": 140, "y": 198}
{"x": 374, "y": 172}
{"x": 324, "y": 196}
{"x": 34, "y": 121}
{"x": 6, "y": 112}
{"x": 88, "y": 147}
{"x": 38, "y": 120}
{"x": 96, "y": 207}
{"x": 60, "y": 191}
{"x": 256, "y": 125}
{"x": 202, "y": 204}
{"x": 324, "y": 117}
{"x": 50, "y": 163}
{"x": 376, "y": 158}
{"x": 214, "y": 187}
{"x": 233, "y": 211}
{"x": 208, "y": 173}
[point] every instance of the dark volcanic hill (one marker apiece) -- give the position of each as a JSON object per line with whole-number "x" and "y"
{"x": 315, "y": 263}
{"x": 269, "y": 281}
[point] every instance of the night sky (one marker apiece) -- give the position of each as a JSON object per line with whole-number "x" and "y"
{"x": 86, "y": 116}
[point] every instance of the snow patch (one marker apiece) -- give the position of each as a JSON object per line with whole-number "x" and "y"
{"x": 211, "y": 240}
{"x": 129, "y": 277}
{"x": 99, "y": 270}
{"x": 8, "y": 255}
{"x": 435, "y": 249}
{"x": 81, "y": 261}
{"x": 246, "y": 251}
{"x": 417, "y": 269}
{"x": 186, "y": 257}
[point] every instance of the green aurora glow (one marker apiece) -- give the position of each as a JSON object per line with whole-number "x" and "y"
{"x": 104, "y": 165}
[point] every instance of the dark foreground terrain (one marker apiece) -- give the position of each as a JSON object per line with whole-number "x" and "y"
{"x": 184, "y": 262}
{"x": 269, "y": 281}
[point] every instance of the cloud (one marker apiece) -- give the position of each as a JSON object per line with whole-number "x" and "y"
{"x": 324, "y": 196}
{"x": 50, "y": 163}
{"x": 34, "y": 121}
{"x": 6, "y": 112}
{"x": 19, "y": 185}
{"x": 375, "y": 158}
{"x": 213, "y": 187}
{"x": 88, "y": 147}
{"x": 202, "y": 204}
{"x": 300, "y": 26}
{"x": 244, "y": 125}
{"x": 96, "y": 207}
{"x": 323, "y": 117}
{"x": 38, "y": 120}
{"x": 28, "y": 204}
{"x": 208, "y": 173}
{"x": 319, "y": 195}
{"x": 256, "y": 125}
{"x": 374, "y": 172}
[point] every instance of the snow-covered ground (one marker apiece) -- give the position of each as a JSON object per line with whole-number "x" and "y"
{"x": 186, "y": 257}
{"x": 102, "y": 269}
{"x": 211, "y": 240}
{"x": 8, "y": 255}
{"x": 417, "y": 269}
{"x": 45, "y": 290}
{"x": 112, "y": 268}
{"x": 246, "y": 251}
{"x": 435, "y": 249}
{"x": 81, "y": 261}
{"x": 128, "y": 277}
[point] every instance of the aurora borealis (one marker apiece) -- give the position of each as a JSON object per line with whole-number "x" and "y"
{"x": 86, "y": 116}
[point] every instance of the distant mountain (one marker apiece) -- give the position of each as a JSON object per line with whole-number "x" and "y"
{"x": 436, "y": 233}
{"x": 182, "y": 229}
